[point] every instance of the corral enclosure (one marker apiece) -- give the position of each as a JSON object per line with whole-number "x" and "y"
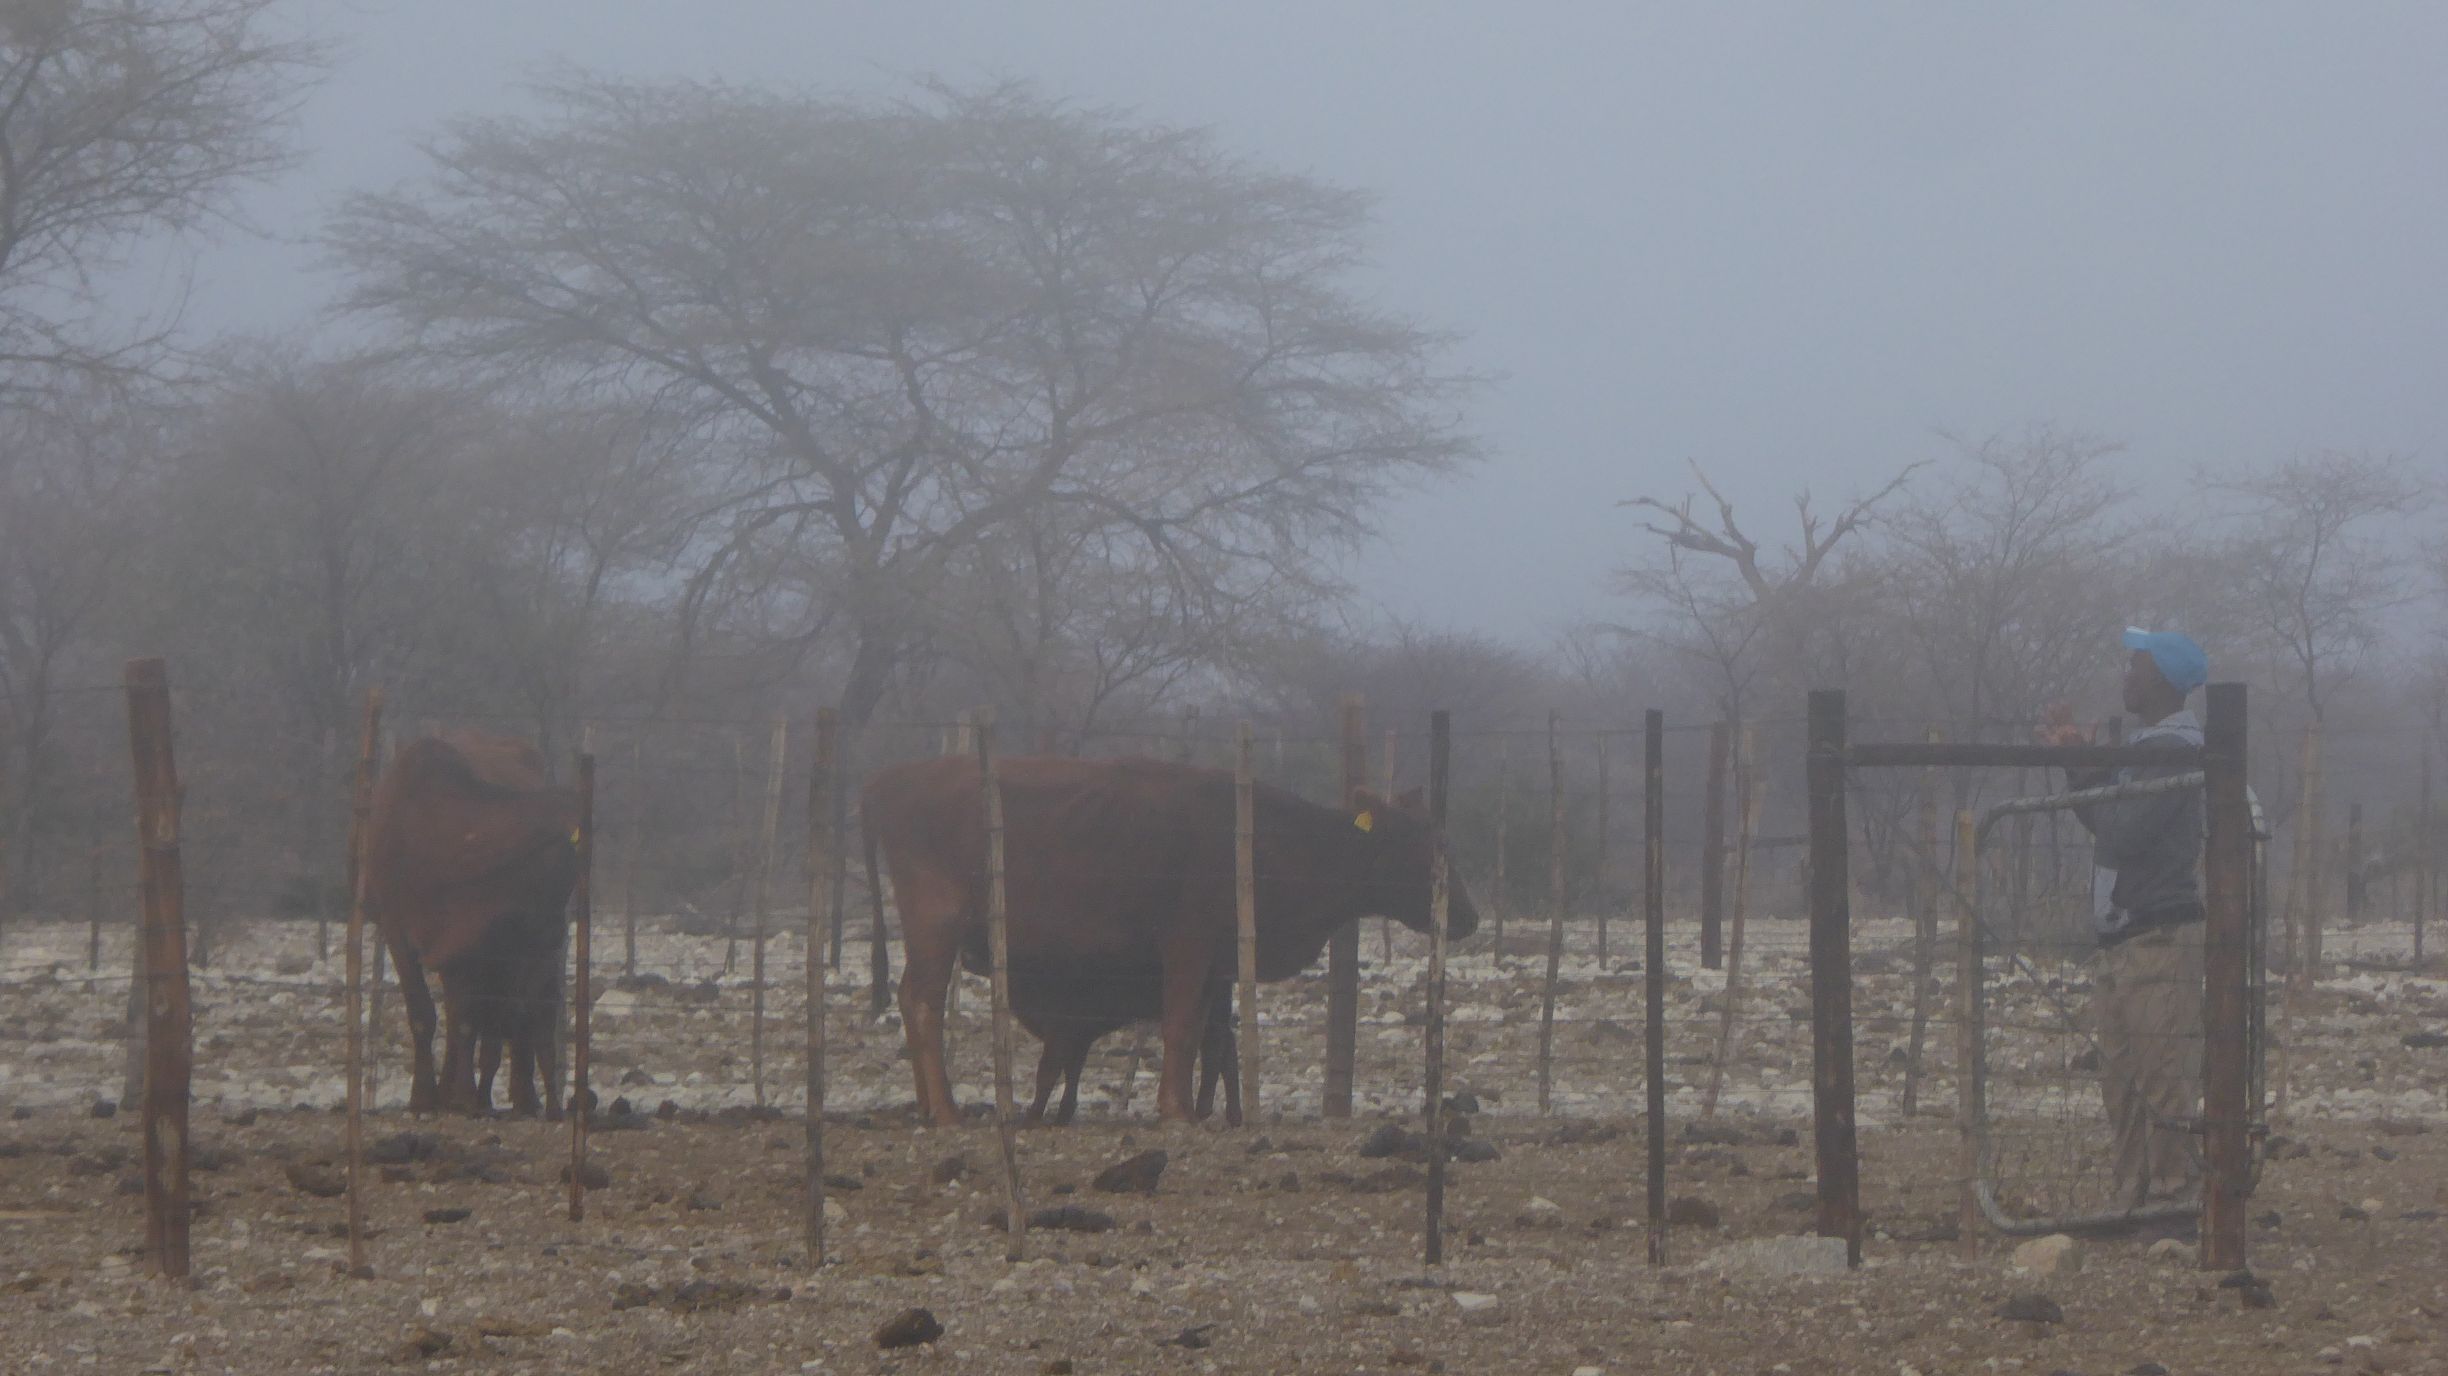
{"x": 1290, "y": 1244}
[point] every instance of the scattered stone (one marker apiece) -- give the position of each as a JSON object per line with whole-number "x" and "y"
{"x": 1394, "y": 1140}
{"x": 21, "y": 1113}
{"x": 1390, "y": 1180}
{"x": 2146, "y": 1369}
{"x": 2169, "y": 1249}
{"x": 446, "y": 1215}
{"x": 1472, "y": 1150}
{"x": 702, "y": 1202}
{"x": 630, "y": 1294}
{"x": 1691, "y": 1211}
{"x": 243, "y": 1118}
{"x": 315, "y": 1179}
{"x": 1540, "y": 1213}
{"x": 909, "y": 1328}
{"x": 591, "y": 1175}
{"x": 2269, "y": 1221}
{"x": 2031, "y": 1307}
{"x": 293, "y": 965}
{"x": 947, "y": 1170}
{"x": 2054, "y": 1255}
{"x": 1191, "y": 1338}
{"x": 2353, "y": 1213}
{"x": 2424, "y": 1041}
{"x": 1057, "y": 1366}
{"x": 1462, "y": 1101}
{"x": 714, "y": 1296}
{"x": 1782, "y": 1256}
{"x": 1795, "y": 1202}
{"x": 423, "y": 1344}
{"x": 400, "y": 1148}
{"x": 1069, "y": 1218}
{"x": 845, "y": 1183}
{"x": 2258, "y": 1295}
{"x": 1478, "y": 1310}
{"x": 633, "y": 1077}
{"x": 1134, "y": 1175}
{"x": 104, "y": 1108}
{"x": 2383, "y": 1154}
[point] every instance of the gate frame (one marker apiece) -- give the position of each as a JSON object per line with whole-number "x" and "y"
{"x": 2226, "y": 862}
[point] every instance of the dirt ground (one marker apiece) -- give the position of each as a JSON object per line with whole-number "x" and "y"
{"x": 1278, "y": 1247}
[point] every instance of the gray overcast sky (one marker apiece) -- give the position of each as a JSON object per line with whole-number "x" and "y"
{"x": 1792, "y": 242}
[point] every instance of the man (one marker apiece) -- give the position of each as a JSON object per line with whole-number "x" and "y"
{"x": 2146, "y": 907}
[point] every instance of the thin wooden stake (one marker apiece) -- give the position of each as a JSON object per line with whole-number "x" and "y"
{"x": 1653, "y": 956}
{"x": 93, "y": 909}
{"x": 169, "y": 1018}
{"x": 1971, "y": 1067}
{"x": 739, "y": 853}
{"x": 1750, "y": 787}
{"x": 1499, "y": 900}
{"x": 1343, "y": 948}
{"x": 1831, "y": 964}
{"x": 1440, "y": 904}
{"x": 1599, "y": 889}
{"x": 776, "y": 758}
{"x": 1245, "y": 908}
{"x": 1712, "y": 850}
{"x": 998, "y": 936}
{"x": 1385, "y": 925}
{"x": 1555, "y": 916}
{"x": 631, "y": 844}
{"x": 360, "y": 810}
{"x": 582, "y": 996}
{"x": 2427, "y": 848}
{"x": 823, "y": 859}
{"x": 1925, "y": 932}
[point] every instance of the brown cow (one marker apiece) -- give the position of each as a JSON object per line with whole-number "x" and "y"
{"x": 1119, "y": 876}
{"x": 469, "y": 864}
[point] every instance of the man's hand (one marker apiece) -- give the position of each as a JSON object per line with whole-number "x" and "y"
{"x": 2058, "y": 727}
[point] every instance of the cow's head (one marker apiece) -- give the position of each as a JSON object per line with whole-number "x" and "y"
{"x": 1401, "y": 842}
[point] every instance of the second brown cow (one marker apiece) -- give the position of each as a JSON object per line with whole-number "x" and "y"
{"x": 1120, "y": 887}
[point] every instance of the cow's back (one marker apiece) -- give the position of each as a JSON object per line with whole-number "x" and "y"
{"x": 470, "y": 846}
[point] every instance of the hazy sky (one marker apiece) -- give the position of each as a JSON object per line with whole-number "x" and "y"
{"x": 1794, "y": 243}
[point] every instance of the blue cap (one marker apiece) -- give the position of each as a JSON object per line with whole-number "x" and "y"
{"x": 2181, "y": 662}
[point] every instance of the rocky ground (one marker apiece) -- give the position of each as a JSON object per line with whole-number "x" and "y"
{"x": 1290, "y": 1245}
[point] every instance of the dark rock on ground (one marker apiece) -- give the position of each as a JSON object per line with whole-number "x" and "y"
{"x": 2032, "y": 1307}
{"x": 1693, "y": 1212}
{"x": 446, "y": 1215}
{"x": 423, "y": 1345}
{"x": 1071, "y": 1218}
{"x": 909, "y": 1328}
{"x": 104, "y": 1108}
{"x": 1393, "y": 1140}
{"x": 591, "y": 1176}
{"x": 632, "y": 1295}
{"x": 947, "y": 1170}
{"x": 1134, "y": 1175}
{"x": 316, "y": 1179}
{"x": 1191, "y": 1338}
{"x": 400, "y": 1148}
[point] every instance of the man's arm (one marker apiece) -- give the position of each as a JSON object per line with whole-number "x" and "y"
{"x": 2129, "y": 829}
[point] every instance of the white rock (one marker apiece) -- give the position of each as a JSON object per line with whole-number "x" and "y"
{"x": 2169, "y": 1249}
{"x": 1542, "y": 1213}
{"x": 2054, "y": 1255}
{"x": 1588, "y": 1371}
{"x": 835, "y": 1213}
{"x": 1478, "y": 1310}
{"x": 2362, "y": 1340}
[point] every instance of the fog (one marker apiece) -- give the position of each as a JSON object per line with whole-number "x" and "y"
{"x": 1797, "y": 244}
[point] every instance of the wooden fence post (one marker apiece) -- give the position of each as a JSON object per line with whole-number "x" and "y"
{"x": 1712, "y": 850}
{"x": 1971, "y": 1066}
{"x": 361, "y": 808}
{"x": 169, "y": 1018}
{"x": 2226, "y": 1072}
{"x": 1245, "y": 907}
{"x": 1653, "y": 956}
{"x": 879, "y": 934}
{"x": 823, "y": 862}
{"x": 2427, "y": 848}
{"x": 998, "y": 936}
{"x": 582, "y": 990}
{"x": 2354, "y": 864}
{"x": 1385, "y": 925}
{"x": 1504, "y": 795}
{"x": 93, "y": 908}
{"x": 631, "y": 844}
{"x": 1440, "y": 903}
{"x": 1831, "y": 960}
{"x": 1925, "y": 932}
{"x": 776, "y": 759}
{"x": 1599, "y": 869}
{"x": 740, "y": 853}
{"x": 1343, "y": 949}
{"x": 1555, "y": 915}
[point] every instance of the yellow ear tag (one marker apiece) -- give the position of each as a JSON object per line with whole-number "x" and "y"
{"x": 573, "y": 836}
{"x": 1365, "y": 821}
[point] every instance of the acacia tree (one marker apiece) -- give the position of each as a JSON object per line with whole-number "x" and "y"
{"x": 72, "y": 499}
{"x": 121, "y": 120}
{"x": 909, "y": 326}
